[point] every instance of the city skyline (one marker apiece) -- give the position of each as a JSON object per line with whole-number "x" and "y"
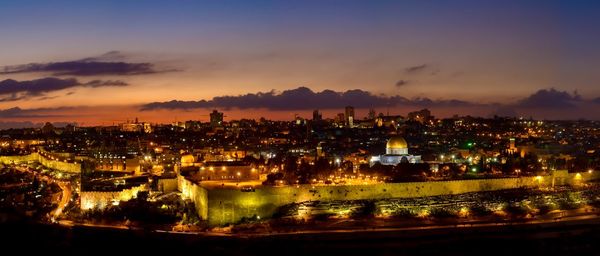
{"x": 97, "y": 64}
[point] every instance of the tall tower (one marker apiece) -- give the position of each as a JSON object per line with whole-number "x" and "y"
{"x": 216, "y": 118}
{"x": 349, "y": 117}
{"x": 316, "y": 115}
{"x": 320, "y": 152}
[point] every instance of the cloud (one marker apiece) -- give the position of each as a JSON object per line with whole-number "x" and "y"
{"x": 110, "y": 56}
{"x": 401, "y": 83}
{"x": 545, "y": 103}
{"x": 17, "y": 112}
{"x": 12, "y": 90}
{"x": 416, "y": 69}
{"x": 305, "y": 99}
{"x": 424, "y": 69}
{"x": 550, "y": 98}
{"x": 105, "y": 64}
{"x": 102, "y": 83}
{"x": 426, "y": 102}
{"x": 302, "y": 98}
{"x": 299, "y": 98}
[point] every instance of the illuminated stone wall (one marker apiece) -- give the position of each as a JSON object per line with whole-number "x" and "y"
{"x": 196, "y": 193}
{"x": 15, "y": 159}
{"x": 168, "y": 185}
{"x": 225, "y": 206}
{"x": 58, "y": 165}
{"x": 100, "y": 199}
{"x": 49, "y": 163}
{"x": 229, "y": 206}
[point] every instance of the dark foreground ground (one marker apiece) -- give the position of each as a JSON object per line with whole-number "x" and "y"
{"x": 580, "y": 237}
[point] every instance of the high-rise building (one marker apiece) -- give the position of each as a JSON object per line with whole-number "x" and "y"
{"x": 316, "y": 115}
{"x": 299, "y": 120}
{"x": 320, "y": 152}
{"x": 349, "y": 117}
{"x": 216, "y": 118}
{"x": 340, "y": 119}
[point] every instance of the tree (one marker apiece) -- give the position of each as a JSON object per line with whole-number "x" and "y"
{"x": 410, "y": 171}
{"x": 290, "y": 165}
{"x": 367, "y": 210}
{"x": 272, "y": 178}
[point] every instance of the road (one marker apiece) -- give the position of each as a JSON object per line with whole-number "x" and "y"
{"x": 67, "y": 192}
{"x": 68, "y": 223}
{"x": 65, "y": 186}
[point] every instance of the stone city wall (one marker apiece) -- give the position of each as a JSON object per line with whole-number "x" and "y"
{"x": 168, "y": 185}
{"x": 226, "y": 206}
{"x": 100, "y": 199}
{"x": 16, "y": 159}
{"x": 58, "y": 165}
{"x": 49, "y": 163}
{"x": 196, "y": 193}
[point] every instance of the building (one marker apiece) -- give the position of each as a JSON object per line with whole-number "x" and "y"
{"x": 339, "y": 119}
{"x": 216, "y": 118}
{"x": 225, "y": 170}
{"x": 147, "y": 127}
{"x": 512, "y": 148}
{"x": 48, "y": 128}
{"x": 349, "y": 116}
{"x": 421, "y": 116}
{"x": 192, "y": 125}
{"x": 299, "y": 120}
{"x": 396, "y": 151}
{"x": 316, "y": 115}
{"x": 136, "y": 127}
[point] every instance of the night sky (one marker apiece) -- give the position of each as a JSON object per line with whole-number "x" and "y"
{"x": 104, "y": 62}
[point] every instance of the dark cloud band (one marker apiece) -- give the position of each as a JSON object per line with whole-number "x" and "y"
{"x": 415, "y": 69}
{"x": 302, "y": 98}
{"x": 12, "y": 90}
{"x": 105, "y": 64}
{"x": 550, "y": 98}
{"x": 17, "y": 112}
{"x": 80, "y": 68}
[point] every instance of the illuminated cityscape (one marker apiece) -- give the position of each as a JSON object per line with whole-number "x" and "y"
{"x": 212, "y": 127}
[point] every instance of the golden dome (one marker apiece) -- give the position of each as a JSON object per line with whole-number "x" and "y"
{"x": 396, "y": 142}
{"x": 188, "y": 159}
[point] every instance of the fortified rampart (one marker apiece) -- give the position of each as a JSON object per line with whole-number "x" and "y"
{"x": 167, "y": 185}
{"x": 225, "y": 206}
{"x": 49, "y": 163}
{"x": 100, "y": 199}
{"x": 197, "y": 194}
